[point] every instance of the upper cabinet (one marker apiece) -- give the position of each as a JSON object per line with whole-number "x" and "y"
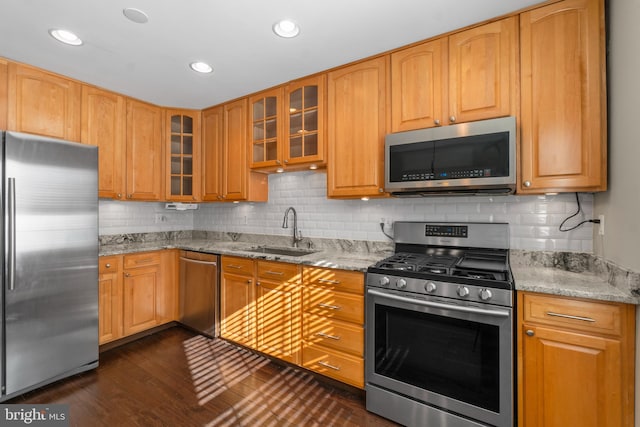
{"x": 4, "y": 77}
{"x": 226, "y": 174}
{"x": 468, "y": 76}
{"x": 43, "y": 103}
{"x": 103, "y": 125}
{"x": 182, "y": 128}
{"x": 144, "y": 158}
{"x": 265, "y": 124}
{"x": 357, "y": 124}
{"x": 563, "y": 123}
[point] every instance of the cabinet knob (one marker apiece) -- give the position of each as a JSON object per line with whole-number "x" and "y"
{"x": 380, "y": 190}
{"x": 529, "y": 332}
{"x": 249, "y": 281}
{"x": 127, "y": 274}
{"x": 527, "y": 184}
{"x": 452, "y": 119}
{"x": 436, "y": 122}
{"x": 119, "y": 195}
{"x": 286, "y": 161}
{"x": 129, "y": 196}
{"x": 278, "y": 162}
{"x": 107, "y": 265}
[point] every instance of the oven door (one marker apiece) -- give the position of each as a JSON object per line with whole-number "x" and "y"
{"x": 452, "y": 356}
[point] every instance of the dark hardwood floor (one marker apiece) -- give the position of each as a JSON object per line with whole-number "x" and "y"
{"x": 177, "y": 378}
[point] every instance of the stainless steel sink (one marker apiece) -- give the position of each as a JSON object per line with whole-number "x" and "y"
{"x": 273, "y": 250}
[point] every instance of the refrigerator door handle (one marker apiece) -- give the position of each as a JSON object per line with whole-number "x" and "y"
{"x": 11, "y": 234}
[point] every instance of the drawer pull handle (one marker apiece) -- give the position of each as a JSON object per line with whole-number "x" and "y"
{"x": 234, "y": 266}
{"x": 329, "y": 306}
{"x": 331, "y": 337}
{"x": 327, "y": 365}
{"x": 333, "y": 282}
{"x": 276, "y": 273}
{"x": 568, "y": 316}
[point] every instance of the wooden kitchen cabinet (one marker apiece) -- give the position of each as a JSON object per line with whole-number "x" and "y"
{"x": 467, "y": 76}
{"x": 141, "y": 284}
{"x": 237, "y": 296}
{"x": 226, "y": 174}
{"x": 103, "y": 126}
{"x": 333, "y": 324}
{"x": 357, "y": 123}
{"x": 144, "y": 151}
{"x": 575, "y": 362}
{"x": 109, "y": 299}
{"x": 266, "y": 129}
{"x": 183, "y": 155}
{"x": 563, "y": 136}
{"x": 4, "y": 88}
{"x": 43, "y": 103}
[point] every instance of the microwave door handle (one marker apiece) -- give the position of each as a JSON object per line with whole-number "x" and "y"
{"x": 431, "y": 304}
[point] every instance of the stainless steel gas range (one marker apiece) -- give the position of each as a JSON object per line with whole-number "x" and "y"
{"x": 439, "y": 327}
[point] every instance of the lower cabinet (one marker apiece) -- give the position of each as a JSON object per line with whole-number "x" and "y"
{"x": 575, "y": 362}
{"x": 333, "y": 324}
{"x": 137, "y": 292}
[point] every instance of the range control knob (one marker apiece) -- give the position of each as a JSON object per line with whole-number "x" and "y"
{"x": 401, "y": 284}
{"x": 485, "y": 294}
{"x": 384, "y": 281}
{"x": 463, "y": 291}
{"x": 430, "y": 287}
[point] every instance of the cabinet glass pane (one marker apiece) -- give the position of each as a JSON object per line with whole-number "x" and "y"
{"x": 311, "y": 120}
{"x": 176, "y": 126}
{"x": 187, "y": 166}
{"x": 272, "y": 150}
{"x": 187, "y": 124}
{"x": 187, "y": 187}
{"x": 175, "y": 144}
{"x": 295, "y": 146}
{"x": 295, "y": 123}
{"x": 258, "y": 131}
{"x": 295, "y": 100}
{"x": 187, "y": 144}
{"x": 175, "y": 185}
{"x": 310, "y": 96}
{"x": 258, "y": 110}
{"x": 175, "y": 165}
{"x": 311, "y": 144}
{"x": 258, "y": 153}
{"x": 271, "y": 106}
{"x": 271, "y": 130}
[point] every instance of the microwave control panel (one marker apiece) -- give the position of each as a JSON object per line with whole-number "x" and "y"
{"x": 454, "y": 174}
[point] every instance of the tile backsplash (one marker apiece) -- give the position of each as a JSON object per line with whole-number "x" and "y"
{"x": 533, "y": 220}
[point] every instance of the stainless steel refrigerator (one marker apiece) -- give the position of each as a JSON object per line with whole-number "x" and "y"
{"x": 49, "y": 244}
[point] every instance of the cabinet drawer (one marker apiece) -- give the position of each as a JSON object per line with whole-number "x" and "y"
{"x": 108, "y": 264}
{"x": 590, "y": 316}
{"x": 142, "y": 259}
{"x": 236, "y": 265}
{"x": 341, "y": 280}
{"x": 339, "y": 366}
{"x": 280, "y": 271}
{"x": 333, "y": 333}
{"x": 337, "y": 305}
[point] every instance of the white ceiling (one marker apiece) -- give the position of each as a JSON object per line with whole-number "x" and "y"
{"x": 150, "y": 61}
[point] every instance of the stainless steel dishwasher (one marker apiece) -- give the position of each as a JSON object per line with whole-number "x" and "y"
{"x": 199, "y": 292}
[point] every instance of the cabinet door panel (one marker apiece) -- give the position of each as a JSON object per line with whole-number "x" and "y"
{"x": 482, "y": 71}
{"x": 182, "y": 150}
{"x": 235, "y": 150}
{"x": 110, "y": 307}
{"x": 144, "y": 151}
{"x": 357, "y": 124}
{"x": 563, "y": 138}
{"x": 237, "y": 312}
{"x": 139, "y": 300}
{"x": 103, "y": 125}
{"x": 212, "y": 144}
{"x": 4, "y": 88}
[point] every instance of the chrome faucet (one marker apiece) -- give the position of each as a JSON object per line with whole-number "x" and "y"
{"x": 297, "y": 235}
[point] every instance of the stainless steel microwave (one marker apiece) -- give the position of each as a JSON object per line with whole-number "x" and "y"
{"x": 466, "y": 158}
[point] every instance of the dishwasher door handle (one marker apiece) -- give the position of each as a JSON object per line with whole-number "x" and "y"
{"x": 196, "y": 261}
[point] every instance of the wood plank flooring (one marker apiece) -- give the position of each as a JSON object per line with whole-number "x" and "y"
{"x": 177, "y": 378}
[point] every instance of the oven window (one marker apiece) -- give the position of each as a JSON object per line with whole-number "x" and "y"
{"x": 452, "y": 357}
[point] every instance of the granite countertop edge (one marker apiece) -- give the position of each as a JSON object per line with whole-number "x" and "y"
{"x": 532, "y": 271}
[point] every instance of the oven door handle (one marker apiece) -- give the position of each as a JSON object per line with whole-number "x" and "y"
{"x": 474, "y": 310}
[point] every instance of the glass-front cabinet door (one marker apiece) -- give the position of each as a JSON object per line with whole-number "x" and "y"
{"x": 265, "y": 132}
{"x": 183, "y": 171}
{"x": 305, "y": 122}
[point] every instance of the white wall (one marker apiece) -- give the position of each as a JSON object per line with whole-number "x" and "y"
{"x": 534, "y": 220}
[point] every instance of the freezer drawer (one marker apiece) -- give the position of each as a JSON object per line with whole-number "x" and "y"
{"x": 199, "y": 292}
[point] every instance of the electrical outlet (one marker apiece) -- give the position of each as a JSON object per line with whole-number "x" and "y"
{"x": 386, "y": 221}
{"x": 160, "y": 218}
{"x": 601, "y": 228}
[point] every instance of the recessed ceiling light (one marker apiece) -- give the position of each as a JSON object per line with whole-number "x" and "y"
{"x": 66, "y": 37}
{"x": 286, "y": 28}
{"x": 135, "y": 15}
{"x": 201, "y": 67}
